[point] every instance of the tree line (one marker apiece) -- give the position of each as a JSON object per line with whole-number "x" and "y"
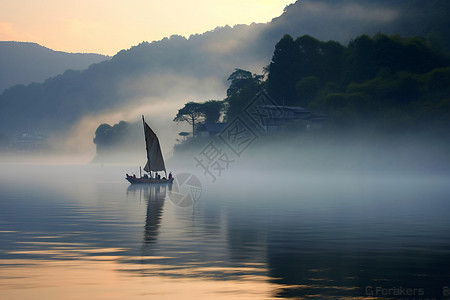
{"x": 389, "y": 81}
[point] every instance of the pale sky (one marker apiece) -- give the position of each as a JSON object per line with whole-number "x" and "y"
{"x": 108, "y": 26}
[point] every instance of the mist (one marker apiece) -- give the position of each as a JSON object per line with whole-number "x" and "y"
{"x": 157, "y": 78}
{"x": 328, "y": 176}
{"x": 312, "y": 157}
{"x": 269, "y": 221}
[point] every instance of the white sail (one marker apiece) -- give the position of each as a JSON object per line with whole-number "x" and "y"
{"x": 155, "y": 161}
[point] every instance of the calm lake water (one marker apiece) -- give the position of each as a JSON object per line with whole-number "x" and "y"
{"x": 81, "y": 232}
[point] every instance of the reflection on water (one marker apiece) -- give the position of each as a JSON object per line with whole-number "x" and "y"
{"x": 154, "y": 195}
{"x": 90, "y": 235}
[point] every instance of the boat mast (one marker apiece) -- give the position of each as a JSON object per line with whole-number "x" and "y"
{"x": 146, "y": 148}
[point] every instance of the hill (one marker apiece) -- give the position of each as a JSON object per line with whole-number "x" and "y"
{"x": 24, "y": 63}
{"x": 160, "y": 76}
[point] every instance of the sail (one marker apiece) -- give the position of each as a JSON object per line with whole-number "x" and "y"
{"x": 155, "y": 161}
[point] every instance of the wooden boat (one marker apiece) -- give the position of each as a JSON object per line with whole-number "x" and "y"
{"x": 155, "y": 161}
{"x": 144, "y": 179}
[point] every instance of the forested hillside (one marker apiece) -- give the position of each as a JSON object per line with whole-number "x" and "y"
{"x": 374, "y": 85}
{"x": 177, "y": 69}
{"x": 389, "y": 79}
{"x": 389, "y": 82}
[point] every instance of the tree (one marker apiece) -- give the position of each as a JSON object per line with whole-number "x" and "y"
{"x": 243, "y": 88}
{"x": 304, "y": 57}
{"x": 307, "y": 89}
{"x": 107, "y": 137}
{"x": 332, "y": 61}
{"x": 360, "y": 63}
{"x": 283, "y": 70}
{"x": 309, "y": 56}
{"x": 212, "y": 110}
{"x": 191, "y": 113}
{"x": 239, "y": 79}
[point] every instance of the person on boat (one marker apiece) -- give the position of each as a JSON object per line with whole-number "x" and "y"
{"x": 159, "y": 176}
{"x": 170, "y": 175}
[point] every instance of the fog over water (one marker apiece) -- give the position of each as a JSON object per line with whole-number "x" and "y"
{"x": 342, "y": 205}
{"x": 159, "y": 109}
{"x": 328, "y": 219}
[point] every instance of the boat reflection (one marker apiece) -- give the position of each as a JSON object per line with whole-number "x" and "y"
{"x": 154, "y": 195}
{"x": 89, "y": 239}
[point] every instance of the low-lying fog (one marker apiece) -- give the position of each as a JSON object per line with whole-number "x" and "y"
{"x": 302, "y": 155}
{"x": 324, "y": 213}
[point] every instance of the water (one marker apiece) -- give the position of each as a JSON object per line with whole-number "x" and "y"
{"x": 81, "y": 232}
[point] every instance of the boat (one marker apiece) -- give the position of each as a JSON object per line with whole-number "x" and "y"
{"x": 155, "y": 161}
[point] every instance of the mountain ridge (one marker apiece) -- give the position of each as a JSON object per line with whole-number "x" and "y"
{"x": 27, "y": 62}
{"x": 176, "y": 69}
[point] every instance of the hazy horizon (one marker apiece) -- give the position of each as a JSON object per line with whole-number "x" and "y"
{"x": 106, "y": 28}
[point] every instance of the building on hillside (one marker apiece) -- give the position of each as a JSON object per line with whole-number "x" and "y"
{"x": 272, "y": 117}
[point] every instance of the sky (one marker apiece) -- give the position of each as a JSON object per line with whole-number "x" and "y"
{"x": 108, "y": 26}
